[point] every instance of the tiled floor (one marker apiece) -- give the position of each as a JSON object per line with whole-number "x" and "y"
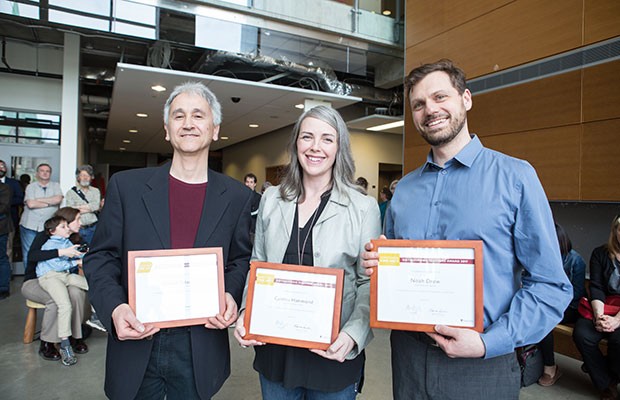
{"x": 24, "y": 375}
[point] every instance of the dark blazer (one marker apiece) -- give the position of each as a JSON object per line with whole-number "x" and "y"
{"x": 136, "y": 217}
{"x": 17, "y": 199}
{"x": 6, "y": 225}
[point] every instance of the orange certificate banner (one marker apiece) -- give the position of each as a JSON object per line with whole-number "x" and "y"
{"x": 293, "y": 305}
{"x": 422, "y": 283}
{"x": 179, "y": 287}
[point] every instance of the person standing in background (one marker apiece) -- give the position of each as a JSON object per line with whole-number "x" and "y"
{"x": 17, "y": 200}
{"x": 41, "y": 201}
{"x": 6, "y": 226}
{"x": 87, "y": 199}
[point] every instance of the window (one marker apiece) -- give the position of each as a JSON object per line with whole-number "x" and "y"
{"x": 29, "y": 127}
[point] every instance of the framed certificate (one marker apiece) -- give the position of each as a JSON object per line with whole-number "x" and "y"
{"x": 293, "y": 305}
{"x": 422, "y": 283}
{"x": 179, "y": 287}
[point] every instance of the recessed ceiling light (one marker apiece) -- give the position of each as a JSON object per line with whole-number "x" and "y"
{"x": 158, "y": 88}
{"x": 386, "y": 12}
{"x": 126, "y": 141}
{"x": 253, "y": 125}
{"x": 224, "y": 138}
{"x": 122, "y": 148}
{"x": 142, "y": 115}
{"x": 133, "y": 131}
{"x": 300, "y": 106}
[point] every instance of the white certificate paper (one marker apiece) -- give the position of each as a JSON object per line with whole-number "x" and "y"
{"x": 426, "y": 285}
{"x": 292, "y": 304}
{"x": 176, "y": 287}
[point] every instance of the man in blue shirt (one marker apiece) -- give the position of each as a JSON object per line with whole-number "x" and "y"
{"x": 465, "y": 191}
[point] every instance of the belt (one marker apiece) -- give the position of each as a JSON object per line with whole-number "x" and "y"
{"x": 88, "y": 226}
{"x": 171, "y": 331}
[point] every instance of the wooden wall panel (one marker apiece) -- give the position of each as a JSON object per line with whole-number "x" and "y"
{"x": 517, "y": 33}
{"x": 554, "y": 153}
{"x": 545, "y": 103}
{"x": 601, "y": 91}
{"x": 416, "y": 156}
{"x": 425, "y": 19}
{"x": 601, "y": 20}
{"x": 601, "y": 161}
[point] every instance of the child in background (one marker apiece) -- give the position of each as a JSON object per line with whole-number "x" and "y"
{"x": 54, "y": 277}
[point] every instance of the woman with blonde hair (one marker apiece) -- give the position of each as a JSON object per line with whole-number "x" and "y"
{"x": 316, "y": 217}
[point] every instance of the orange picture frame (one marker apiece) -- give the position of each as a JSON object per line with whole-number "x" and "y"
{"x": 267, "y": 277}
{"x": 161, "y": 257}
{"x": 394, "y": 260}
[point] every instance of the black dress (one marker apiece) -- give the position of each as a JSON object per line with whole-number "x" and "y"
{"x": 298, "y": 367}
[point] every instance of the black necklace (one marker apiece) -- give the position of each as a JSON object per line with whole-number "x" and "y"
{"x": 301, "y": 247}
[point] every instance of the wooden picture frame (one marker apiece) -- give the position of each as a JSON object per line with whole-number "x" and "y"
{"x": 291, "y": 305}
{"x": 426, "y": 273}
{"x": 157, "y": 279}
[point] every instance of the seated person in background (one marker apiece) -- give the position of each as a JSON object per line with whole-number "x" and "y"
{"x": 54, "y": 278}
{"x": 604, "y": 283}
{"x": 31, "y": 290}
{"x": 575, "y": 269}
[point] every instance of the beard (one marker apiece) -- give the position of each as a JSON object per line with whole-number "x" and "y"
{"x": 438, "y": 137}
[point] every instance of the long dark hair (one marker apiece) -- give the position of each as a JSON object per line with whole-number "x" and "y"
{"x": 563, "y": 240}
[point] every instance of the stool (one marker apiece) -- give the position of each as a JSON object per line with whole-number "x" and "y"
{"x": 31, "y": 320}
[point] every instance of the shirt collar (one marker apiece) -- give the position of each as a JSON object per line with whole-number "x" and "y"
{"x": 466, "y": 156}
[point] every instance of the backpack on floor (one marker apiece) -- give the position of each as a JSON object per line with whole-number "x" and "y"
{"x": 531, "y": 362}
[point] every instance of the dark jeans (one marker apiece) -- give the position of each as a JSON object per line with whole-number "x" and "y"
{"x": 170, "y": 371}
{"x": 275, "y": 391}
{"x": 421, "y": 370}
{"x": 603, "y": 370}
{"x": 87, "y": 234}
{"x": 546, "y": 345}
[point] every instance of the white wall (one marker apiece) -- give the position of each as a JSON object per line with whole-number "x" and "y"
{"x": 30, "y": 93}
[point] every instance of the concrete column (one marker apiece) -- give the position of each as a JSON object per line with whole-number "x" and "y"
{"x": 70, "y": 112}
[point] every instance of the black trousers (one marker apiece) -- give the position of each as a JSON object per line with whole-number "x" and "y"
{"x": 546, "y": 345}
{"x": 603, "y": 370}
{"x": 421, "y": 370}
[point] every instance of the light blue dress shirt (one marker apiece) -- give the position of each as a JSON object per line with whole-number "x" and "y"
{"x": 58, "y": 264}
{"x": 485, "y": 195}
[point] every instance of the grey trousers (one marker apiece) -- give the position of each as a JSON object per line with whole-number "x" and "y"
{"x": 80, "y": 306}
{"x": 421, "y": 370}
